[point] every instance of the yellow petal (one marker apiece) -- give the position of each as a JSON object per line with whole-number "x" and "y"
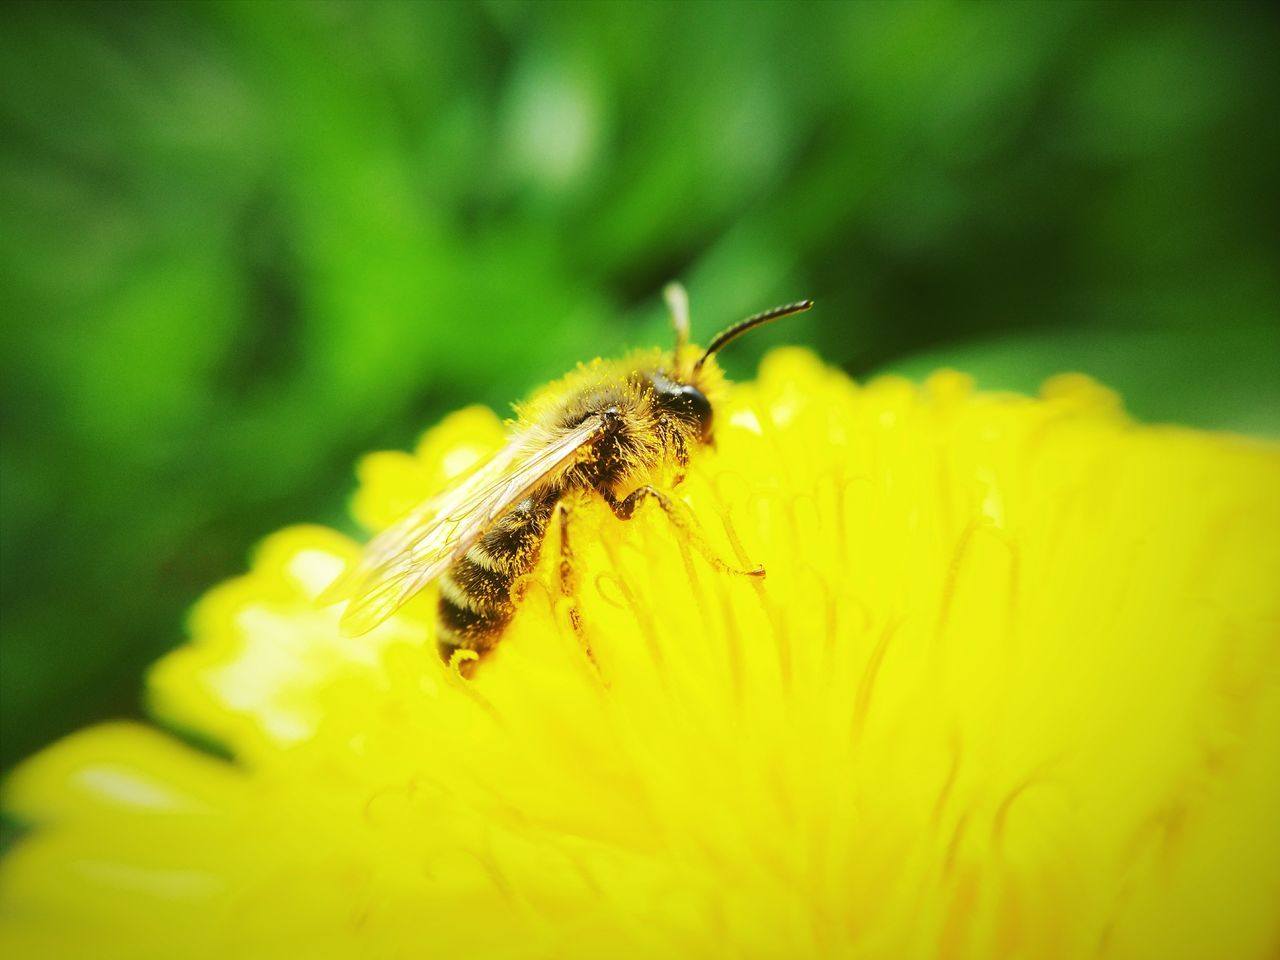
{"x": 266, "y": 654}
{"x": 1011, "y": 687}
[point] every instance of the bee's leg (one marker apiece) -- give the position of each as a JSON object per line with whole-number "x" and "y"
{"x": 625, "y": 508}
{"x": 682, "y": 461}
{"x": 569, "y": 583}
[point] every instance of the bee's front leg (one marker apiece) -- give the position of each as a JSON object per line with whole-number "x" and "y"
{"x": 569, "y": 583}
{"x": 679, "y": 516}
{"x": 682, "y": 459}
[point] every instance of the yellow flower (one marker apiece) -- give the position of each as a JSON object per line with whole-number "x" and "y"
{"x": 1010, "y": 689}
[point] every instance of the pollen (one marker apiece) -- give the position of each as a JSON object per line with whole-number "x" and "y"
{"x": 1010, "y": 688}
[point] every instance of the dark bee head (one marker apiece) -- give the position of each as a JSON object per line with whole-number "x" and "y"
{"x": 684, "y": 401}
{"x": 675, "y": 394}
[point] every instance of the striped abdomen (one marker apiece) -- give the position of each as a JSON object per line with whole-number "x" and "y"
{"x": 475, "y": 593}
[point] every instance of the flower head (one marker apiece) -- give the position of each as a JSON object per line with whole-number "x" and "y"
{"x": 1011, "y": 688}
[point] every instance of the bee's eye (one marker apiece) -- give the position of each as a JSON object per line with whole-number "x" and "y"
{"x": 685, "y": 401}
{"x": 693, "y": 402}
{"x": 697, "y": 403}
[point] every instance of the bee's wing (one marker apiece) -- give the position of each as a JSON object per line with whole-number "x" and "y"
{"x": 408, "y": 555}
{"x": 401, "y": 536}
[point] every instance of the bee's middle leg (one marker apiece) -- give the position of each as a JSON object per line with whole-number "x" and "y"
{"x": 569, "y": 583}
{"x": 625, "y": 508}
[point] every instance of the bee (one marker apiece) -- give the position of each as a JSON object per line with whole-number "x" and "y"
{"x": 609, "y": 429}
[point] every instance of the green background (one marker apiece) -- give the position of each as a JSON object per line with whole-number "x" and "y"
{"x": 242, "y": 243}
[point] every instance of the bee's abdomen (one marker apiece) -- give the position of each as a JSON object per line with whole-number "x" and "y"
{"x": 475, "y": 594}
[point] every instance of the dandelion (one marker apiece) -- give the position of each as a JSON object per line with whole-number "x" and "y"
{"x": 1010, "y": 688}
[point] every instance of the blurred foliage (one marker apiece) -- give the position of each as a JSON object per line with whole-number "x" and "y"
{"x": 244, "y": 242}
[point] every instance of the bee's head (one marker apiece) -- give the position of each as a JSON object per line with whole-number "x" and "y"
{"x": 679, "y": 394}
{"x": 684, "y": 402}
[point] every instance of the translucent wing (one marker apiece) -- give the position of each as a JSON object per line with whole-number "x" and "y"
{"x": 415, "y": 550}
{"x": 401, "y": 536}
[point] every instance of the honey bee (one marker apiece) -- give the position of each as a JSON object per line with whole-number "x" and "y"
{"x": 610, "y": 429}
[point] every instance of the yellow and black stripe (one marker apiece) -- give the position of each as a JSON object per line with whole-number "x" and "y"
{"x": 475, "y": 594}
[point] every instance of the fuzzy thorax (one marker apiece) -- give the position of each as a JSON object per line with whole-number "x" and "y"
{"x": 649, "y": 444}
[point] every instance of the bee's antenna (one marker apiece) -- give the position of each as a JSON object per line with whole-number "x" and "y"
{"x": 738, "y": 329}
{"x": 678, "y": 303}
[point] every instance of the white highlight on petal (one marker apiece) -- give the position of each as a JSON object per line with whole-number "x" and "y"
{"x": 315, "y": 569}
{"x": 992, "y": 502}
{"x": 150, "y": 881}
{"x": 746, "y": 419}
{"x": 128, "y": 788}
{"x": 286, "y": 654}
